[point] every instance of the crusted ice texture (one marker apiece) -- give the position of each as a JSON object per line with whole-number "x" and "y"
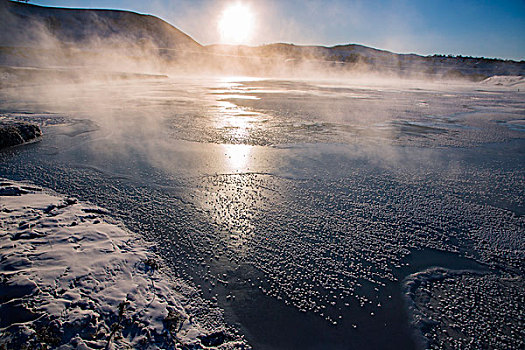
{"x": 71, "y": 278}
{"x": 462, "y": 309}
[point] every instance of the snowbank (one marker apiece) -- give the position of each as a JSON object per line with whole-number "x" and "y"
{"x": 69, "y": 278}
{"x": 517, "y": 81}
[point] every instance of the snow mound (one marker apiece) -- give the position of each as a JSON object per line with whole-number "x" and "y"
{"x": 509, "y": 81}
{"x": 70, "y": 278}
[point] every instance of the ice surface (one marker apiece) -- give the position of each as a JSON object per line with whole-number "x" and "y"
{"x": 466, "y": 309}
{"x": 72, "y": 278}
{"x": 294, "y": 202}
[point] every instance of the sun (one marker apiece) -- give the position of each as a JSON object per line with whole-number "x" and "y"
{"x": 236, "y": 24}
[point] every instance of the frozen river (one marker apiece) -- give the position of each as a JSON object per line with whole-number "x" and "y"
{"x": 311, "y": 212}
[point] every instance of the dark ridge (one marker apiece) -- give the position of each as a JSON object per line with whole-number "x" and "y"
{"x": 22, "y": 25}
{"x": 371, "y": 59}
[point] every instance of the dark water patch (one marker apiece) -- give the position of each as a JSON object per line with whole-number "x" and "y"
{"x": 270, "y": 323}
{"x": 423, "y": 259}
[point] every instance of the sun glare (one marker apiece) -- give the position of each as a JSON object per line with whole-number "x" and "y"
{"x": 236, "y": 24}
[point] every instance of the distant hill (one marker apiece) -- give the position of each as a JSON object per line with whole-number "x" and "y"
{"x": 37, "y": 26}
{"x": 353, "y": 56}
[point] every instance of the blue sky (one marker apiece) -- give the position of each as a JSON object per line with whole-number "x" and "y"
{"x": 468, "y": 27}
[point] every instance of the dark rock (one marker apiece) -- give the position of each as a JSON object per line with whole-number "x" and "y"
{"x": 152, "y": 264}
{"x": 98, "y": 211}
{"x": 12, "y": 191}
{"x": 16, "y": 133}
{"x": 213, "y": 339}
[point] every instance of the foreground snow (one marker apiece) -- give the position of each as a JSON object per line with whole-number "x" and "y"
{"x": 70, "y": 278}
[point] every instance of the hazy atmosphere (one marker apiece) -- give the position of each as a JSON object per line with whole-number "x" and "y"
{"x": 262, "y": 175}
{"x": 468, "y": 28}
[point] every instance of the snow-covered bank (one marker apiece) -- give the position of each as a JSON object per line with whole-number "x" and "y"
{"x": 70, "y": 278}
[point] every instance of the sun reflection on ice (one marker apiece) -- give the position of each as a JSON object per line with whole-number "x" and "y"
{"x": 234, "y": 122}
{"x": 237, "y": 157}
